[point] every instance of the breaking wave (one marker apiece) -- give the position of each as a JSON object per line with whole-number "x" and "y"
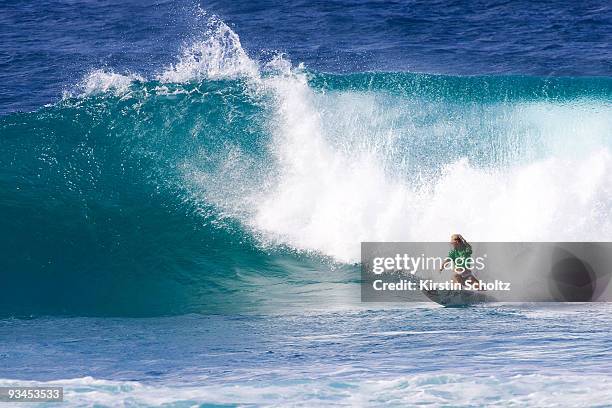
{"x": 225, "y": 182}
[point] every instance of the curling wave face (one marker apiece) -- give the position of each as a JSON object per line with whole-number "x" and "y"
{"x": 225, "y": 183}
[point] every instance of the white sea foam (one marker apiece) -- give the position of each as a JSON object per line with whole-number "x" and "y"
{"x": 428, "y": 389}
{"x": 336, "y": 189}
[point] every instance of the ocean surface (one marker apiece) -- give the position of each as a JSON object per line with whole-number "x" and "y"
{"x": 184, "y": 188}
{"x": 424, "y": 355}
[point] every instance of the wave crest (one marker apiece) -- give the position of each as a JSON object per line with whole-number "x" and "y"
{"x": 218, "y": 56}
{"x": 101, "y": 81}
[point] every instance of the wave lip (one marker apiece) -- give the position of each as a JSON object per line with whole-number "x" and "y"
{"x": 218, "y": 56}
{"x": 101, "y": 81}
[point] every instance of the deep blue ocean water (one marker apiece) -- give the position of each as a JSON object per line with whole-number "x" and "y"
{"x": 48, "y": 46}
{"x": 184, "y": 188}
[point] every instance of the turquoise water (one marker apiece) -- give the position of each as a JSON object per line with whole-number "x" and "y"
{"x": 143, "y": 197}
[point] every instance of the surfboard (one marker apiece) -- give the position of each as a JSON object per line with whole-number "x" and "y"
{"x": 455, "y": 298}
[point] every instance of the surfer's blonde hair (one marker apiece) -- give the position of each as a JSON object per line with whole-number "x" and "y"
{"x": 462, "y": 241}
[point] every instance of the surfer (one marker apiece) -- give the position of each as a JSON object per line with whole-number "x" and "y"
{"x": 460, "y": 256}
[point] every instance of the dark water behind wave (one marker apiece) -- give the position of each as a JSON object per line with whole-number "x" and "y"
{"x": 46, "y": 47}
